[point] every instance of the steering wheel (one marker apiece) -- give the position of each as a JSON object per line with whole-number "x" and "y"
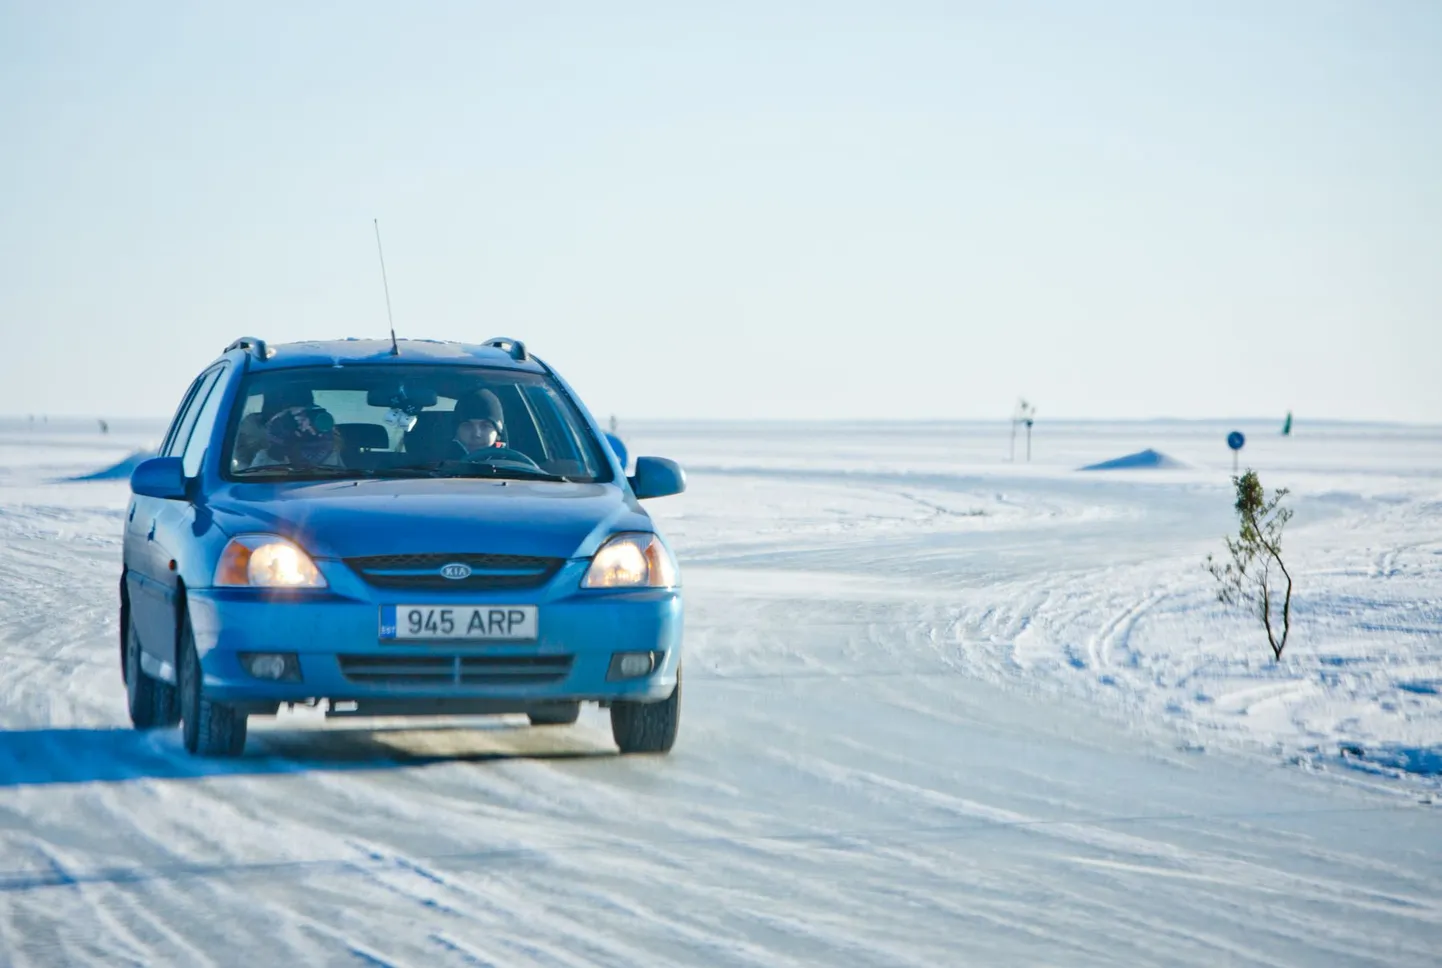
{"x": 502, "y": 454}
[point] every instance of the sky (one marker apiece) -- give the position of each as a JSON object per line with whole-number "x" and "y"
{"x": 743, "y": 210}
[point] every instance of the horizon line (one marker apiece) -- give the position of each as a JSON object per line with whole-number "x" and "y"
{"x": 40, "y": 420}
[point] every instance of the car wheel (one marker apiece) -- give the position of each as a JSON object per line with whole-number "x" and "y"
{"x": 647, "y": 727}
{"x": 208, "y": 728}
{"x": 151, "y": 702}
{"x": 555, "y": 714}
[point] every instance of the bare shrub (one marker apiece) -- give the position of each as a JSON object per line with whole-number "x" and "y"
{"x": 1253, "y": 578}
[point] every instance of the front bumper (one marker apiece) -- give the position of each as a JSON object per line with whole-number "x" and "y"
{"x": 335, "y": 636}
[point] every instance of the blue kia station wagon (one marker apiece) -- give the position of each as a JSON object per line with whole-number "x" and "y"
{"x": 388, "y": 528}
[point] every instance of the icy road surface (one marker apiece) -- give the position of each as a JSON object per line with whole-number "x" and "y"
{"x": 940, "y": 710}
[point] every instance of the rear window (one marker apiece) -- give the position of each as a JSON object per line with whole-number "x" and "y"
{"x": 392, "y": 420}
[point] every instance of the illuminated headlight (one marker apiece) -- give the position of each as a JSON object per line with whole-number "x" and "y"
{"x": 632, "y": 561}
{"x": 266, "y": 561}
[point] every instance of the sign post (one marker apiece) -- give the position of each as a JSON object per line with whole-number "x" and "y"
{"x": 1235, "y": 440}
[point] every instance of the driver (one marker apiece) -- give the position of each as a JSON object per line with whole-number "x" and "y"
{"x": 479, "y": 419}
{"x": 480, "y": 424}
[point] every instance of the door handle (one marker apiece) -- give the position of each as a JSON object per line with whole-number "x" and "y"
{"x": 151, "y": 535}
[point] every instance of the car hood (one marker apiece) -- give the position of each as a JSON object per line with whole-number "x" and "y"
{"x": 343, "y": 519}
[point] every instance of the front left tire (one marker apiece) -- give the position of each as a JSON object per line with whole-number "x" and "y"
{"x": 208, "y": 728}
{"x": 647, "y": 727}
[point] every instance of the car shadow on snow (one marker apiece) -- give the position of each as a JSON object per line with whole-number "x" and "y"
{"x": 34, "y": 757}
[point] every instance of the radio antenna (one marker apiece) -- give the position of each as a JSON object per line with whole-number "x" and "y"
{"x": 395, "y": 348}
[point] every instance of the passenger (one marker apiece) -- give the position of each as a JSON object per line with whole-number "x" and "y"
{"x": 300, "y": 436}
{"x": 249, "y": 440}
{"x": 251, "y": 435}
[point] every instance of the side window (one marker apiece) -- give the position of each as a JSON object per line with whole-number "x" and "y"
{"x": 204, "y": 427}
{"x": 557, "y": 435}
{"x": 180, "y": 415}
{"x": 175, "y": 446}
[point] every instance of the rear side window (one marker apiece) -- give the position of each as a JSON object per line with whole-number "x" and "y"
{"x": 180, "y": 414}
{"x": 204, "y": 426}
{"x": 190, "y": 411}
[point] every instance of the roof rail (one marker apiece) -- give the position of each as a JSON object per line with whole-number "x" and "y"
{"x": 254, "y": 344}
{"x": 515, "y": 347}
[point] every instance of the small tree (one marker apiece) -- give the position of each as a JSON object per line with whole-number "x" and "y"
{"x": 1250, "y": 578}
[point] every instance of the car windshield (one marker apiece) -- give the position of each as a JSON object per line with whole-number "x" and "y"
{"x": 409, "y": 421}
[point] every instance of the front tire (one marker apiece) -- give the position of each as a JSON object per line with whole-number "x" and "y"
{"x": 647, "y": 727}
{"x": 151, "y": 702}
{"x": 208, "y": 728}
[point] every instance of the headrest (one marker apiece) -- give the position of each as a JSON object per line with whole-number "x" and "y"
{"x": 431, "y": 422}
{"x": 364, "y": 436}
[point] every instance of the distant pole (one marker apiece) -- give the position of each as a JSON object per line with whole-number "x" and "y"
{"x": 1236, "y": 440}
{"x": 1023, "y": 414}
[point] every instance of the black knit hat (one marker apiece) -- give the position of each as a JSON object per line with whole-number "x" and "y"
{"x": 481, "y": 405}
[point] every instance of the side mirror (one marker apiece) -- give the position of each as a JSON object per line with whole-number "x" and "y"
{"x": 161, "y": 477}
{"x": 618, "y": 447}
{"x": 657, "y": 477}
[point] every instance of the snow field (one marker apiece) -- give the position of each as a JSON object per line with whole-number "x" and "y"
{"x": 939, "y": 709}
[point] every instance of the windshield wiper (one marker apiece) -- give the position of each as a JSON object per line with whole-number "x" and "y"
{"x": 287, "y": 473}
{"x": 491, "y": 469}
{"x": 444, "y": 468}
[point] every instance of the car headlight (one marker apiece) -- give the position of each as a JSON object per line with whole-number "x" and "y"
{"x": 266, "y": 561}
{"x": 632, "y": 561}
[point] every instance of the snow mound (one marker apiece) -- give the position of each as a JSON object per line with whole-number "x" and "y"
{"x": 1143, "y": 459}
{"x": 119, "y": 471}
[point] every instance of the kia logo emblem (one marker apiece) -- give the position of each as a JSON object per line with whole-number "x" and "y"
{"x": 455, "y": 571}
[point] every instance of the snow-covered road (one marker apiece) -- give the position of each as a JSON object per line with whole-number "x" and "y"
{"x": 939, "y": 710}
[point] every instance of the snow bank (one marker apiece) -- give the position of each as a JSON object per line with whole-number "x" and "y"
{"x": 1148, "y": 459}
{"x": 119, "y": 471}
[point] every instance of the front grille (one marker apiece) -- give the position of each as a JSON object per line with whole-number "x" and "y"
{"x": 417, "y": 669}
{"x": 487, "y": 571}
{"x": 495, "y": 670}
{"x": 468, "y": 670}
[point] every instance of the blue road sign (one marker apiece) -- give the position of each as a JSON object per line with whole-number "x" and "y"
{"x": 1235, "y": 440}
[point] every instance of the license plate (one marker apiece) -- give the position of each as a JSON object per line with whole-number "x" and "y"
{"x": 471, "y": 623}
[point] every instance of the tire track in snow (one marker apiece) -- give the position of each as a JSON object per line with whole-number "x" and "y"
{"x": 1116, "y": 633}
